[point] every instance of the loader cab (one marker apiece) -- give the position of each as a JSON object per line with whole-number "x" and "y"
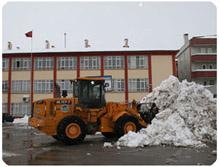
{"x": 90, "y": 92}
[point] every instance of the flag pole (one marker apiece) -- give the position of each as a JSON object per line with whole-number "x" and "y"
{"x": 65, "y": 39}
{"x": 32, "y": 70}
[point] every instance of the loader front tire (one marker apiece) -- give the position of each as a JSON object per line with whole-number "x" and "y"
{"x": 126, "y": 124}
{"x": 71, "y": 130}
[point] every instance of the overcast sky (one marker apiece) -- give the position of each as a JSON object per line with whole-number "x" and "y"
{"x": 147, "y": 25}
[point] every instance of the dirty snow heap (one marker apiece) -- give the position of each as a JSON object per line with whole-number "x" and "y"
{"x": 23, "y": 120}
{"x": 187, "y": 116}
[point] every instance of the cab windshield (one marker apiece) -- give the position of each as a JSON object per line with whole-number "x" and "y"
{"x": 90, "y": 93}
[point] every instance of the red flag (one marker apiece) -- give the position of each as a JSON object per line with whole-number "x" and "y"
{"x": 29, "y": 34}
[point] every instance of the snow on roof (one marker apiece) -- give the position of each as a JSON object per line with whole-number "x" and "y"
{"x": 206, "y": 36}
{"x": 81, "y": 51}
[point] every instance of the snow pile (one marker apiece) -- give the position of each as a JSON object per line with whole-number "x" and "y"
{"x": 187, "y": 116}
{"x": 214, "y": 152}
{"x": 23, "y": 120}
{"x": 98, "y": 133}
{"x": 107, "y": 144}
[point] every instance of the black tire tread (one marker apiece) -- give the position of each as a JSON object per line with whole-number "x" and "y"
{"x": 109, "y": 135}
{"x": 121, "y": 122}
{"x": 61, "y": 136}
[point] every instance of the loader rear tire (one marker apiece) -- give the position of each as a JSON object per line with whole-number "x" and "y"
{"x": 108, "y": 135}
{"x": 126, "y": 124}
{"x": 71, "y": 130}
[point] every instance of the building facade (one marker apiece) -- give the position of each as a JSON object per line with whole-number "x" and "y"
{"x": 197, "y": 61}
{"x": 134, "y": 74}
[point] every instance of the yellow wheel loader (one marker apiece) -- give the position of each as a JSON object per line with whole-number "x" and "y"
{"x": 70, "y": 119}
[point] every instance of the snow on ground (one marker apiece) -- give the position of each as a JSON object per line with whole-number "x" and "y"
{"x": 23, "y": 120}
{"x": 107, "y": 144}
{"x": 7, "y": 154}
{"x": 98, "y": 133}
{"x": 187, "y": 116}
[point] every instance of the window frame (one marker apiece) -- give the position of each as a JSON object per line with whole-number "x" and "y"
{"x": 65, "y": 85}
{"x": 113, "y": 62}
{"x": 24, "y": 64}
{"x": 4, "y": 107}
{"x": 211, "y": 82}
{"x": 137, "y": 62}
{"x": 5, "y": 63}
{"x": 20, "y": 109}
{"x": 4, "y": 86}
{"x": 43, "y": 86}
{"x": 118, "y": 85}
{"x": 90, "y": 62}
{"x": 138, "y": 85}
{"x": 20, "y": 86}
{"x": 67, "y": 63}
{"x": 43, "y": 63}
{"x": 210, "y": 66}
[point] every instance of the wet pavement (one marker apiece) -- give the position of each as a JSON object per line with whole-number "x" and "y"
{"x": 23, "y": 145}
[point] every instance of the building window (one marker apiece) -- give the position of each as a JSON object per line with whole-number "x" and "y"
{"x": 25, "y": 108}
{"x": 134, "y": 85}
{"x": 114, "y": 62}
{"x": 65, "y": 85}
{"x": 209, "y": 50}
{"x": 20, "y": 109}
{"x": 210, "y": 66}
{"x": 118, "y": 85}
{"x": 43, "y": 63}
{"x": 20, "y": 86}
{"x": 89, "y": 62}
{"x": 15, "y": 109}
{"x": 137, "y": 85}
{"x": 5, "y": 64}
{"x": 43, "y": 86}
{"x": 67, "y": 63}
{"x": 137, "y": 62}
{"x": 203, "y": 50}
{"x": 5, "y": 107}
{"x": 205, "y": 83}
{"x": 203, "y": 66}
{"x": 211, "y": 82}
{"x": 21, "y": 64}
{"x": 214, "y": 50}
{"x": 4, "y": 86}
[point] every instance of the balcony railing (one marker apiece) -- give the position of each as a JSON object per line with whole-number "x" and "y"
{"x": 213, "y": 53}
{"x": 204, "y": 58}
{"x": 204, "y": 74}
{"x": 195, "y": 70}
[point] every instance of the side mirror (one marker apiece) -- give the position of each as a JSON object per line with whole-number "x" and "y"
{"x": 64, "y": 93}
{"x": 106, "y": 85}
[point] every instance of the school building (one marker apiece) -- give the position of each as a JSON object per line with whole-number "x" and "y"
{"x": 134, "y": 74}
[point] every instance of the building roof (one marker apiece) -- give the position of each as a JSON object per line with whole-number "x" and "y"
{"x": 51, "y": 53}
{"x": 203, "y": 41}
{"x": 197, "y": 41}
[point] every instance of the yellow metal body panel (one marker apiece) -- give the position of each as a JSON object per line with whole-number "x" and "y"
{"x": 49, "y": 112}
{"x": 91, "y": 78}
